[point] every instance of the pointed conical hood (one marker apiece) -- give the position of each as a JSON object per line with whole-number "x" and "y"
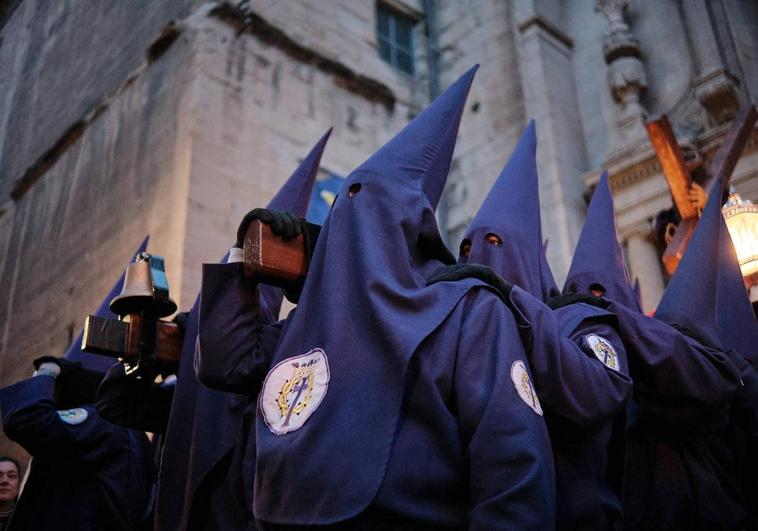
{"x": 423, "y": 150}
{"x": 690, "y": 299}
{"x": 511, "y": 211}
{"x": 294, "y": 196}
{"x": 96, "y": 362}
{"x": 598, "y": 258}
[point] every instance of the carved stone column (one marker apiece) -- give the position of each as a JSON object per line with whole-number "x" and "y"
{"x": 547, "y": 77}
{"x": 626, "y": 73}
{"x": 715, "y": 87}
{"x": 645, "y": 264}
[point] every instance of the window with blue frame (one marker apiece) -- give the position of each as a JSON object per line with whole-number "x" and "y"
{"x": 395, "y": 35}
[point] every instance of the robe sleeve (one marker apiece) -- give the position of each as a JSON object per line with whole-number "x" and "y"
{"x": 31, "y": 419}
{"x": 235, "y": 341}
{"x": 673, "y": 373}
{"x": 504, "y": 435}
{"x": 126, "y": 401}
{"x": 744, "y": 406}
{"x": 571, "y": 381}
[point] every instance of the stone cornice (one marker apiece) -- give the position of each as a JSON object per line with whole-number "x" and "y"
{"x": 638, "y": 165}
{"x": 547, "y": 27}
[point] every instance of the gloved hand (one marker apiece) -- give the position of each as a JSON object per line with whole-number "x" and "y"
{"x": 284, "y": 224}
{"x": 65, "y": 366}
{"x": 460, "y": 271}
{"x": 573, "y": 298}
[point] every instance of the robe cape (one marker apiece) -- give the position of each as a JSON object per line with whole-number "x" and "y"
{"x": 385, "y": 440}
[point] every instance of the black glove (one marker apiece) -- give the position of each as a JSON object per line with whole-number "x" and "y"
{"x": 181, "y": 319}
{"x": 573, "y": 298}
{"x": 67, "y": 366}
{"x": 481, "y": 272}
{"x": 284, "y": 224}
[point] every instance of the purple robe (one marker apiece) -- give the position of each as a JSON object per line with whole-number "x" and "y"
{"x": 87, "y": 473}
{"x": 678, "y": 472}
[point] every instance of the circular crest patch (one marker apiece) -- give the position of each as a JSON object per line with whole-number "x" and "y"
{"x": 293, "y": 390}
{"x": 524, "y": 386}
{"x": 73, "y": 416}
{"x": 603, "y": 350}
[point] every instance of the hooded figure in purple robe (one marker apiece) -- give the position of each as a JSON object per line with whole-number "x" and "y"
{"x": 205, "y": 478}
{"x": 577, "y": 357}
{"x": 86, "y": 472}
{"x": 680, "y": 467}
{"x": 706, "y": 299}
{"x": 380, "y": 405}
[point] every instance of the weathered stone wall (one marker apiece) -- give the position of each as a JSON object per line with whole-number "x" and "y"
{"x": 526, "y": 73}
{"x": 258, "y": 112}
{"x": 60, "y": 61}
{"x": 68, "y": 237}
{"x": 469, "y": 33}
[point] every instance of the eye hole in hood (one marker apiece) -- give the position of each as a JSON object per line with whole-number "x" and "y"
{"x": 493, "y": 239}
{"x": 465, "y": 249}
{"x": 598, "y": 290}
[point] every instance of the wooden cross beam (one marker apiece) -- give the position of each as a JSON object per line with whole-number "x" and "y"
{"x": 271, "y": 260}
{"x": 679, "y": 179}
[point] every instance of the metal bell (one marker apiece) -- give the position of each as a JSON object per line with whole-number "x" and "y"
{"x": 140, "y": 292}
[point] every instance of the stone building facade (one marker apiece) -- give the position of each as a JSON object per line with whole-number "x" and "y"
{"x": 175, "y": 117}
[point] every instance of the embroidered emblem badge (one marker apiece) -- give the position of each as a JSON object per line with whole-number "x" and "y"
{"x": 603, "y": 350}
{"x": 73, "y": 416}
{"x": 293, "y": 390}
{"x": 524, "y": 386}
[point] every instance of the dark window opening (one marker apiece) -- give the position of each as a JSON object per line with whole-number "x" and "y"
{"x": 395, "y": 35}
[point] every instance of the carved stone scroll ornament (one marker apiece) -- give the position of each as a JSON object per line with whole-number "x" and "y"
{"x": 626, "y": 73}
